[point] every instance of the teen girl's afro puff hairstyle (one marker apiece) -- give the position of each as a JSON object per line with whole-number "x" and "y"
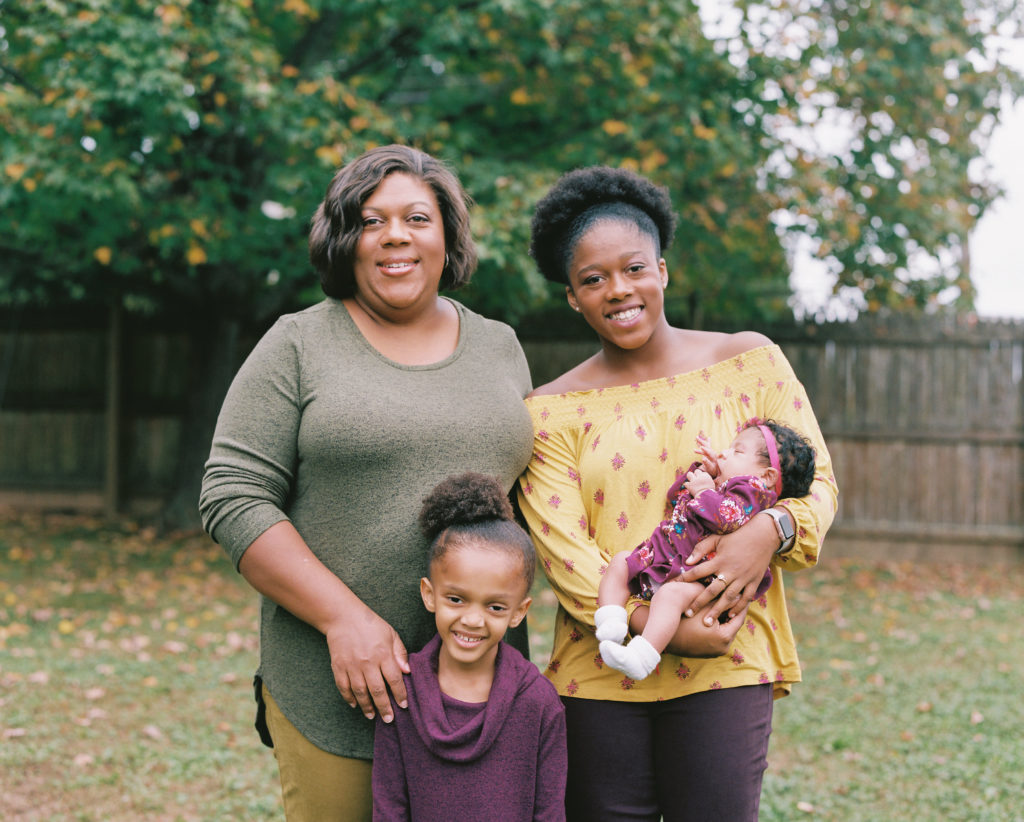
{"x": 585, "y": 195}
{"x": 474, "y": 508}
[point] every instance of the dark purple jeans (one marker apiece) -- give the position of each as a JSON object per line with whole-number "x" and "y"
{"x": 697, "y": 758}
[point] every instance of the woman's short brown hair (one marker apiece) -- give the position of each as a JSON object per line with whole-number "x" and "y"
{"x": 338, "y": 222}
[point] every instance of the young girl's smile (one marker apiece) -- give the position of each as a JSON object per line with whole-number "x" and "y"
{"x": 476, "y": 594}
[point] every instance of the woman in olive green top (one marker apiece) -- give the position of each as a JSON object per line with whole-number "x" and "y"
{"x": 340, "y": 420}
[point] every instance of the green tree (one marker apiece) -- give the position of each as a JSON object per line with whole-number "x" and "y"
{"x": 886, "y": 106}
{"x": 166, "y": 156}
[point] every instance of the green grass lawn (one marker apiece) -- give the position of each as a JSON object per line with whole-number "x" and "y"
{"x": 126, "y": 662}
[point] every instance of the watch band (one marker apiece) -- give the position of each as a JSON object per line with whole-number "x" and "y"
{"x": 787, "y": 535}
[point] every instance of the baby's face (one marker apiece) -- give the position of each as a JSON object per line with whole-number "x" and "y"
{"x": 744, "y": 457}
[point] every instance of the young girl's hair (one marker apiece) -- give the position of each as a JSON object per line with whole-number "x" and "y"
{"x": 473, "y": 507}
{"x": 796, "y": 457}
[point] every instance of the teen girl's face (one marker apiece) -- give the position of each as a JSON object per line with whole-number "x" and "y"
{"x": 617, "y": 281}
{"x": 745, "y": 457}
{"x": 476, "y": 594}
{"x": 399, "y": 257}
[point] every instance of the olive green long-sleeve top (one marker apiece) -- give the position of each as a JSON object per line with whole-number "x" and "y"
{"x": 319, "y": 428}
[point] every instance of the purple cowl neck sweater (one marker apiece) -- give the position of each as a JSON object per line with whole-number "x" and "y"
{"x": 502, "y": 760}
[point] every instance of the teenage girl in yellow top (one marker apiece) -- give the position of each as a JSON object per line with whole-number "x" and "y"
{"x": 688, "y": 742}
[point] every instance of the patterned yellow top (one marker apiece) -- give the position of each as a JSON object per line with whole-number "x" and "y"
{"x": 596, "y": 485}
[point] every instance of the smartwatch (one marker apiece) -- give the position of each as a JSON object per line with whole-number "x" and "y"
{"x": 785, "y": 528}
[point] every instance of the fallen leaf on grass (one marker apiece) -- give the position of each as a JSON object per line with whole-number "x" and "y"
{"x": 14, "y": 733}
{"x": 153, "y": 732}
{"x": 83, "y": 759}
{"x": 95, "y": 693}
{"x": 924, "y": 707}
{"x": 806, "y": 807}
{"x": 977, "y": 717}
{"x": 39, "y": 678}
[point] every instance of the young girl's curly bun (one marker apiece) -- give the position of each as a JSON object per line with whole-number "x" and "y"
{"x": 461, "y": 500}
{"x": 473, "y": 510}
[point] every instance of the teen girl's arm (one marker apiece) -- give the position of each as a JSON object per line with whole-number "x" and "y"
{"x": 743, "y": 556}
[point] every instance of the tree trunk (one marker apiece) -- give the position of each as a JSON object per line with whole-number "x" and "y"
{"x": 214, "y": 358}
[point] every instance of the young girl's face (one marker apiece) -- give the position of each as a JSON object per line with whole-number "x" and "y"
{"x": 745, "y": 457}
{"x": 476, "y": 593}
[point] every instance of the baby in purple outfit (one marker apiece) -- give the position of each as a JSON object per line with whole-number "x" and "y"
{"x": 766, "y": 462}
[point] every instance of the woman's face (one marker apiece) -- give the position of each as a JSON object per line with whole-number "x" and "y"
{"x": 400, "y": 253}
{"x": 617, "y": 281}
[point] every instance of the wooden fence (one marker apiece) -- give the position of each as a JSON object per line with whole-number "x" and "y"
{"x": 924, "y": 421}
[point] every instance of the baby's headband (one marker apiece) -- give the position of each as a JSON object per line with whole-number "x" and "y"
{"x": 773, "y": 456}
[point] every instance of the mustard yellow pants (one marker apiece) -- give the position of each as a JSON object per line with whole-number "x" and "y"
{"x": 317, "y": 786}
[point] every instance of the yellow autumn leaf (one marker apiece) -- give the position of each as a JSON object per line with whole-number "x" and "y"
{"x": 168, "y": 14}
{"x": 220, "y": 99}
{"x": 195, "y": 255}
{"x": 613, "y": 128}
{"x": 520, "y": 96}
{"x": 299, "y": 7}
{"x": 66, "y": 626}
{"x": 15, "y": 170}
{"x": 198, "y": 227}
{"x": 289, "y": 71}
{"x": 330, "y": 154}
{"x": 702, "y": 132}
{"x": 307, "y": 87}
{"x": 103, "y": 255}
{"x": 29, "y": 183}
{"x": 358, "y": 123}
{"x": 653, "y": 161}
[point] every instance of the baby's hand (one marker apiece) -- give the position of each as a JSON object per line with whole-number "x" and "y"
{"x": 708, "y": 457}
{"x": 698, "y": 481}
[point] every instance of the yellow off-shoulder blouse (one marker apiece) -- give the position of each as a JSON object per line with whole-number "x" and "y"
{"x": 603, "y": 462}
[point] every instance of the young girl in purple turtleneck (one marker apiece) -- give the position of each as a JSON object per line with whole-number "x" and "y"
{"x": 484, "y": 733}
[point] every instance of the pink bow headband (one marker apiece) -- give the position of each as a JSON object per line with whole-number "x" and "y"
{"x": 773, "y": 456}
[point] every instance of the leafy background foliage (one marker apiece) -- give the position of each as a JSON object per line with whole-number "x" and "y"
{"x": 165, "y": 157}
{"x": 168, "y": 154}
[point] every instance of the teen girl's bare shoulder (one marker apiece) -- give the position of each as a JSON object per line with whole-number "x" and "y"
{"x": 582, "y": 377}
{"x": 732, "y": 345}
{"x": 700, "y": 349}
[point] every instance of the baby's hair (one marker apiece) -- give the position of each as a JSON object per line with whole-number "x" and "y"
{"x": 585, "y": 196}
{"x": 796, "y": 458}
{"x": 474, "y": 507}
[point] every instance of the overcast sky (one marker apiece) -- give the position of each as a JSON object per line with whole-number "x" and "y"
{"x": 997, "y": 244}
